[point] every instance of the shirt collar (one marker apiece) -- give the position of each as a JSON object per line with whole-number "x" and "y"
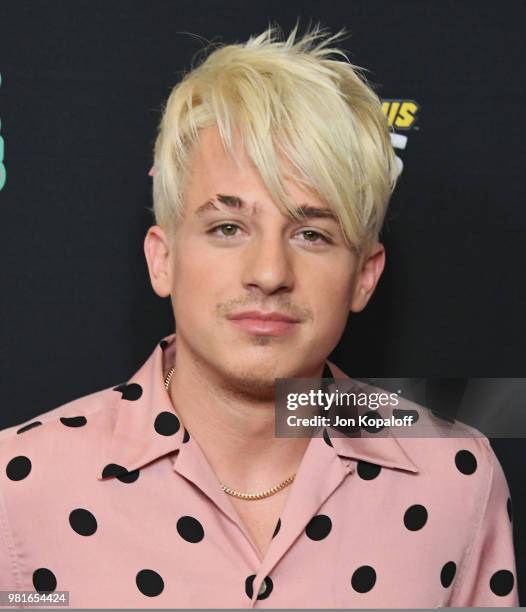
{"x": 146, "y": 426}
{"x": 385, "y": 451}
{"x": 142, "y": 409}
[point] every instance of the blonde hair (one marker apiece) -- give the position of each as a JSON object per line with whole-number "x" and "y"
{"x": 286, "y": 97}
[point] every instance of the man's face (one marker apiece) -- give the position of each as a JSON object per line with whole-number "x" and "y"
{"x": 237, "y": 258}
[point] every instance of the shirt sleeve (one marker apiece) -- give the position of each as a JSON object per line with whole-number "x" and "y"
{"x": 488, "y": 575}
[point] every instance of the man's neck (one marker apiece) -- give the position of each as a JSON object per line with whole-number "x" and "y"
{"x": 229, "y": 426}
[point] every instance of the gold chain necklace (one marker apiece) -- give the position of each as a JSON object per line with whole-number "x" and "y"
{"x": 233, "y": 492}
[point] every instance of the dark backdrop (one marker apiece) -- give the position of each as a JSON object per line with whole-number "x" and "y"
{"x": 80, "y": 99}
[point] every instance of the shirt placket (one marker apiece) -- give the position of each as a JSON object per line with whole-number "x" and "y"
{"x": 321, "y": 472}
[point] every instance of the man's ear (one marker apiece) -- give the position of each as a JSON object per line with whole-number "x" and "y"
{"x": 369, "y": 272}
{"x": 157, "y": 253}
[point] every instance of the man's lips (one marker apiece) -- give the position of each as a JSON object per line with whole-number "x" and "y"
{"x": 264, "y": 323}
{"x": 263, "y": 316}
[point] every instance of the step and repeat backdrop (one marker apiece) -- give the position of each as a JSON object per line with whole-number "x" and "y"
{"x": 81, "y": 91}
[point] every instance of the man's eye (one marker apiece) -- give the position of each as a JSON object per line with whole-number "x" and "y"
{"x": 312, "y": 236}
{"x": 225, "y": 229}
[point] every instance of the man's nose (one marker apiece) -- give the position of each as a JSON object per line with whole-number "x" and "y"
{"x": 268, "y": 265}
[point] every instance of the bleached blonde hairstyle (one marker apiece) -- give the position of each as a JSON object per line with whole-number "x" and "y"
{"x": 286, "y": 97}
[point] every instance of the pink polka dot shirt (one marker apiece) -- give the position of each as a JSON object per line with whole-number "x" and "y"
{"x": 110, "y": 498}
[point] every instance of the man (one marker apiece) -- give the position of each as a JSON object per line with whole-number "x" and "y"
{"x": 273, "y": 169}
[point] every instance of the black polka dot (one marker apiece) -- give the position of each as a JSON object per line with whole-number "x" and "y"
{"x": 18, "y": 468}
{"x": 415, "y": 517}
{"x": 28, "y": 427}
{"x": 367, "y": 470}
{"x": 466, "y": 462}
{"x": 131, "y": 392}
{"x": 44, "y": 580}
{"x": 83, "y": 522}
{"x": 163, "y": 344}
{"x": 122, "y": 474}
{"x": 166, "y": 423}
{"x": 249, "y": 586}
{"x": 319, "y": 527}
{"x": 509, "y": 509}
{"x": 186, "y": 436}
{"x": 129, "y": 476}
{"x": 78, "y": 421}
{"x": 266, "y": 588}
{"x": 398, "y": 413}
{"x": 326, "y": 437}
{"x": 278, "y": 527}
{"x": 190, "y": 529}
{"x": 501, "y": 583}
{"x": 448, "y": 573}
{"x": 363, "y": 579}
{"x": 264, "y": 591}
{"x": 149, "y": 583}
{"x": 373, "y": 428}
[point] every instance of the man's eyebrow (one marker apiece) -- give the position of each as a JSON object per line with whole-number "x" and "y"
{"x": 238, "y": 203}
{"x": 314, "y": 212}
{"x": 232, "y": 201}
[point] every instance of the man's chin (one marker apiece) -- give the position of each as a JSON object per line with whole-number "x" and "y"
{"x": 257, "y": 383}
{"x": 255, "y": 388}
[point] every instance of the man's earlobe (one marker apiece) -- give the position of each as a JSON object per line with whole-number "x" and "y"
{"x": 359, "y": 300}
{"x": 368, "y": 277}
